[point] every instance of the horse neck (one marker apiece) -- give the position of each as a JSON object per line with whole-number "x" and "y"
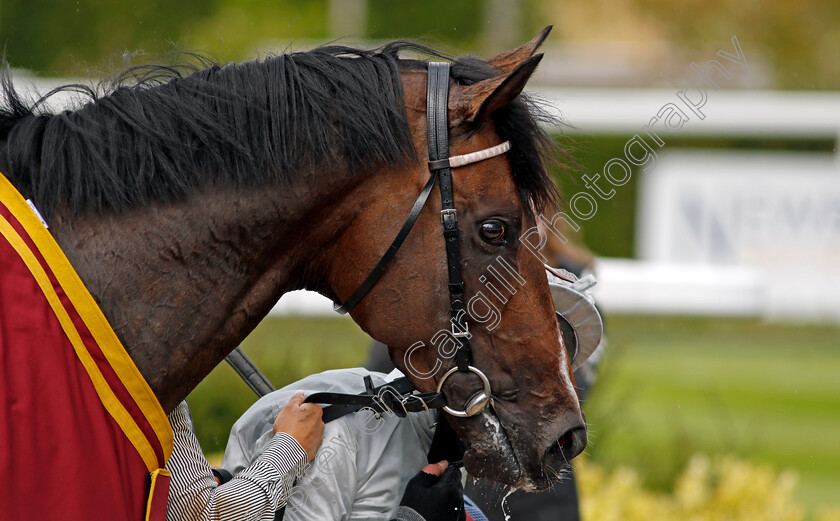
{"x": 183, "y": 284}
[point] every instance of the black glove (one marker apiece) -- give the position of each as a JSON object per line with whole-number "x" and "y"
{"x": 431, "y": 498}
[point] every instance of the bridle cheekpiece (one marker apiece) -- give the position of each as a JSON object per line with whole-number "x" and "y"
{"x": 440, "y": 165}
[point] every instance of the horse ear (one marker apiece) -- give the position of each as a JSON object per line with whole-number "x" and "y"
{"x": 487, "y": 96}
{"x": 509, "y": 60}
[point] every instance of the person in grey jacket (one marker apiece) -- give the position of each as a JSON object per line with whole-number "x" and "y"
{"x": 366, "y": 467}
{"x": 364, "y": 464}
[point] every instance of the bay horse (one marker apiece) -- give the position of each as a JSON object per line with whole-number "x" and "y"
{"x": 189, "y": 202}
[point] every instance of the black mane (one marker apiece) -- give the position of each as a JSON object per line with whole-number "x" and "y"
{"x": 158, "y": 133}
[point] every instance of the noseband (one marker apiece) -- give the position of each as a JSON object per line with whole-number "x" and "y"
{"x": 440, "y": 165}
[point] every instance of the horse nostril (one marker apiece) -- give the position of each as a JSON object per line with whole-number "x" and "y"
{"x": 564, "y": 440}
{"x": 569, "y": 445}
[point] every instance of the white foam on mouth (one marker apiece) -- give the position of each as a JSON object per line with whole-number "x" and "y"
{"x": 504, "y": 502}
{"x": 504, "y": 447}
{"x": 498, "y": 439}
{"x": 494, "y": 427}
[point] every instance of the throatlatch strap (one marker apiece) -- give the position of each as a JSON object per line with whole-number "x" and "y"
{"x": 437, "y": 99}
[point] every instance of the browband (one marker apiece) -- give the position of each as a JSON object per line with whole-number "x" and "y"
{"x": 472, "y": 157}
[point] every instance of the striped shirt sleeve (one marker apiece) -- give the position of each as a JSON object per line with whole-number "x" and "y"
{"x": 254, "y": 494}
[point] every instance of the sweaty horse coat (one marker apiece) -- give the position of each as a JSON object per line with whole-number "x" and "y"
{"x": 82, "y": 436}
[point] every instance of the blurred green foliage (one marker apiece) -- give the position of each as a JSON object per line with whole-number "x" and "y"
{"x": 67, "y": 38}
{"x": 798, "y": 40}
{"x": 237, "y": 30}
{"x": 389, "y": 20}
{"x": 92, "y": 37}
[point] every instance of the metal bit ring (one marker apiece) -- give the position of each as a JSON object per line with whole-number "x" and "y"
{"x": 482, "y": 400}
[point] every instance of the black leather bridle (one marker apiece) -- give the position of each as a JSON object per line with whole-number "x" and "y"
{"x": 437, "y": 98}
{"x": 440, "y": 165}
{"x": 399, "y": 396}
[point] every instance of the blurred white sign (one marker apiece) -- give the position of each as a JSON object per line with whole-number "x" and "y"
{"x": 754, "y": 209}
{"x": 776, "y": 212}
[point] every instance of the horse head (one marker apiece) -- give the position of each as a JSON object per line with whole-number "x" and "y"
{"x": 534, "y": 424}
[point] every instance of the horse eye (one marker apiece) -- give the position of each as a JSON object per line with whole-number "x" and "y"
{"x": 493, "y": 231}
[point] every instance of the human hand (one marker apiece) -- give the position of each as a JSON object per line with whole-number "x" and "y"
{"x": 302, "y": 421}
{"x": 435, "y": 493}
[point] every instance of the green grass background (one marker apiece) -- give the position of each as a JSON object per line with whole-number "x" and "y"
{"x": 668, "y": 388}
